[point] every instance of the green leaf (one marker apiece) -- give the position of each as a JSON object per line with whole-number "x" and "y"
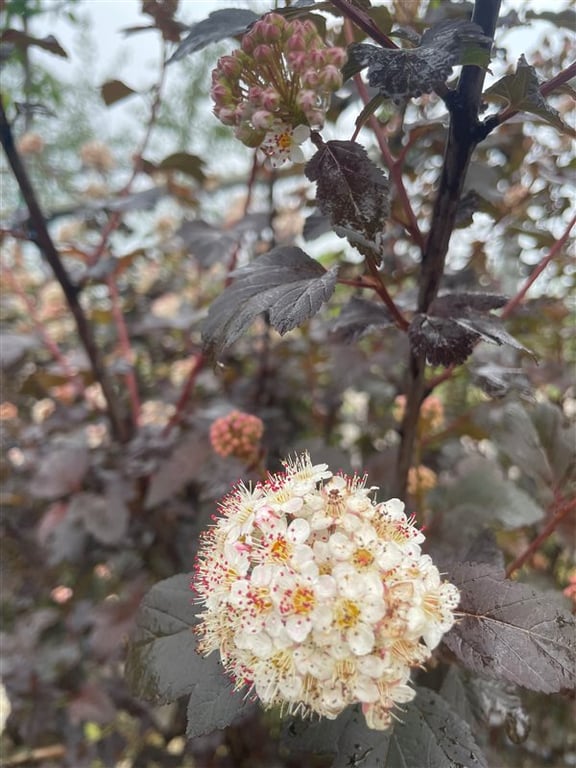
{"x": 115, "y": 90}
{"x": 521, "y": 91}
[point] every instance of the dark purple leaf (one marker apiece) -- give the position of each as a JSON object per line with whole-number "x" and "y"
{"x": 352, "y": 191}
{"x": 497, "y": 380}
{"x": 510, "y": 631}
{"x": 115, "y": 90}
{"x": 521, "y": 91}
{"x": 428, "y": 734}
{"x": 22, "y": 40}
{"x": 227, "y": 22}
{"x": 404, "y": 73}
{"x": 489, "y": 328}
{"x": 182, "y": 466}
{"x": 286, "y": 283}
{"x": 359, "y": 316}
{"x": 61, "y": 471}
{"x": 163, "y": 663}
{"x": 458, "y": 304}
{"x": 442, "y": 340}
{"x": 315, "y": 226}
{"x": 455, "y": 323}
{"x": 207, "y": 244}
{"x": 139, "y": 201}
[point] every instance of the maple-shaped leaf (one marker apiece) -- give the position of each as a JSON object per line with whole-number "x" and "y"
{"x": 510, "y": 631}
{"x": 402, "y": 73}
{"x": 427, "y": 733}
{"x": 521, "y": 91}
{"x": 352, "y": 191}
{"x": 454, "y": 324}
{"x": 163, "y": 663}
{"x": 359, "y": 316}
{"x": 285, "y": 283}
{"x": 227, "y": 22}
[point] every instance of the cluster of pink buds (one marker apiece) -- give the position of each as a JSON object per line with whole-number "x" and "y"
{"x": 279, "y": 82}
{"x": 237, "y": 434}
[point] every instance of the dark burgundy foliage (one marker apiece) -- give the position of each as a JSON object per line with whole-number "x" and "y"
{"x": 404, "y": 73}
{"x": 352, "y": 191}
{"x": 511, "y": 632}
{"x": 286, "y": 284}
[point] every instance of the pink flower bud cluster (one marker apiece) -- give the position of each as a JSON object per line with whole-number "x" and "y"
{"x": 283, "y": 74}
{"x": 317, "y": 596}
{"x": 237, "y": 434}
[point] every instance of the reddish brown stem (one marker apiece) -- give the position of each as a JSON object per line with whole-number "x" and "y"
{"x": 125, "y": 349}
{"x": 554, "y": 251}
{"x": 399, "y": 319}
{"x": 178, "y": 415}
{"x": 363, "y": 22}
{"x": 562, "y": 509}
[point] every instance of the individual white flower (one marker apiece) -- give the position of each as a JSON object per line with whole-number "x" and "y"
{"x": 317, "y": 597}
{"x": 282, "y": 143}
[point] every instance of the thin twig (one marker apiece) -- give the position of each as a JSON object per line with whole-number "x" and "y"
{"x": 363, "y": 22}
{"x": 535, "y": 274}
{"x": 41, "y": 237}
{"x": 178, "y": 415}
{"x": 115, "y": 219}
{"x": 125, "y": 349}
{"x": 562, "y": 509}
{"x": 399, "y": 319}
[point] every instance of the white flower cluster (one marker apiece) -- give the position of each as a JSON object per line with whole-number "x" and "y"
{"x": 318, "y": 597}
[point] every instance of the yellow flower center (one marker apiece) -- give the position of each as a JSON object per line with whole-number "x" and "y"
{"x": 347, "y": 614}
{"x": 303, "y": 600}
{"x": 362, "y": 557}
{"x": 284, "y": 141}
{"x": 279, "y": 550}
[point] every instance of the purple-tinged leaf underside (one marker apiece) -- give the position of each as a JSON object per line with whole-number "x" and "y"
{"x": 285, "y": 283}
{"x": 402, "y": 73}
{"x": 352, "y": 191}
{"x": 509, "y": 631}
